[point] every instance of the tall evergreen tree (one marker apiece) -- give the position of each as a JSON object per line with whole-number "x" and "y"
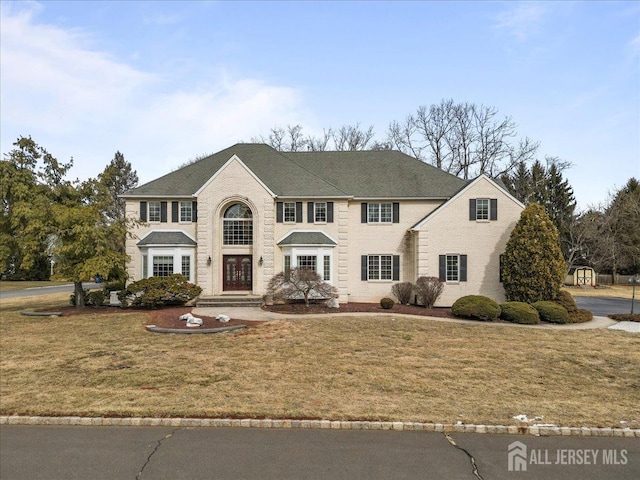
{"x": 533, "y": 266}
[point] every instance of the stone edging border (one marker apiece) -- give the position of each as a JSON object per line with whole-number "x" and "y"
{"x": 324, "y": 424}
{"x": 153, "y": 328}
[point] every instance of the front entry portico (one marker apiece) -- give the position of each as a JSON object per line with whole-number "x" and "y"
{"x": 237, "y": 275}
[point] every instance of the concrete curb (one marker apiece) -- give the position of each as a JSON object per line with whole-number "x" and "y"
{"x": 544, "y": 431}
{"x": 153, "y": 328}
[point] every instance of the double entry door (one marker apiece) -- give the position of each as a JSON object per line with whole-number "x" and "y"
{"x": 238, "y": 271}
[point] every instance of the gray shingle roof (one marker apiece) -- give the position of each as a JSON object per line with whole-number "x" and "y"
{"x": 370, "y": 174}
{"x": 306, "y": 238}
{"x": 166, "y": 238}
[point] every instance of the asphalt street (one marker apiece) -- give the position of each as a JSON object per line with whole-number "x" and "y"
{"x": 68, "y": 452}
{"x": 39, "y": 291}
{"x": 603, "y": 306}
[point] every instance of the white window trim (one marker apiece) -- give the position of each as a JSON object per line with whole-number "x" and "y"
{"x": 446, "y": 268}
{"x": 379, "y": 256}
{"x": 177, "y": 253}
{"x": 315, "y": 212}
{"x": 319, "y": 252}
{"x": 379, "y": 222}
{"x": 478, "y": 200}
{"x": 149, "y": 211}
{"x": 284, "y": 214}
{"x": 190, "y": 212}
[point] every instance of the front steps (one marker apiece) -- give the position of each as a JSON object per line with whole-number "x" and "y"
{"x": 230, "y": 300}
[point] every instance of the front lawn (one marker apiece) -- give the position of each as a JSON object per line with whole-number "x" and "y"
{"x": 342, "y": 368}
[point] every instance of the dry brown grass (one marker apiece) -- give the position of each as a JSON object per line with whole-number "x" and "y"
{"x": 617, "y": 291}
{"x": 340, "y": 368}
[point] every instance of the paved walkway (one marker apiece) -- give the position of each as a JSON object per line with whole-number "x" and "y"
{"x": 255, "y": 313}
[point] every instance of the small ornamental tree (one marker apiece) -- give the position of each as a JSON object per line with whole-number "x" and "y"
{"x": 533, "y": 265}
{"x": 300, "y": 283}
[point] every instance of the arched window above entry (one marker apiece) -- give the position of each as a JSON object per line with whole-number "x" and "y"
{"x": 238, "y": 225}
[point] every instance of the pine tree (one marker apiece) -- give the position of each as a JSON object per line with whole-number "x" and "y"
{"x": 533, "y": 266}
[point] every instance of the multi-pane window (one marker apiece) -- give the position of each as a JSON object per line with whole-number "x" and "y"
{"x": 186, "y": 211}
{"x": 307, "y": 262}
{"x": 327, "y": 268}
{"x": 380, "y": 212}
{"x": 289, "y": 212}
{"x": 380, "y": 267}
{"x": 320, "y": 215}
{"x": 154, "y": 211}
{"x": 145, "y": 266}
{"x": 482, "y": 209}
{"x": 162, "y": 266}
{"x": 453, "y": 268}
{"x": 186, "y": 266}
{"x": 237, "y": 225}
{"x": 287, "y": 267}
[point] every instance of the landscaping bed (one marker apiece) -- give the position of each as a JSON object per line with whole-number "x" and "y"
{"x": 356, "y": 307}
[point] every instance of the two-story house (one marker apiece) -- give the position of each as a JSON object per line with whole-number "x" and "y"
{"x": 363, "y": 220}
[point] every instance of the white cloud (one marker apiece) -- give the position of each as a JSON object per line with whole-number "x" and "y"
{"x": 521, "y": 19}
{"x": 82, "y": 102}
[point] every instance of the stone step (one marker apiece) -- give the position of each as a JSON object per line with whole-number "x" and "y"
{"x": 230, "y": 301}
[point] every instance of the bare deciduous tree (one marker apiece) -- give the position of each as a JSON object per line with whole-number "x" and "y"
{"x": 300, "y": 283}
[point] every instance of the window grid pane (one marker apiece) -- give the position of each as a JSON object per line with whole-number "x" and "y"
{"x": 386, "y": 267}
{"x": 162, "y": 266}
{"x": 145, "y": 266}
{"x": 374, "y": 267}
{"x": 238, "y": 232}
{"x": 482, "y": 209}
{"x": 327, "y": 268}
{"x": 307, "y": 262}
{"x": 452, "y": 268}
{"x": 154, "y": 211}
{"x": 287, "y": 267}
{"x": 290, "y": 212}
{"x": 186, "y": 267}
{"x": 320, "y": 212}
{"x": 385, "y": 212}
{"x": 186, "y": 211}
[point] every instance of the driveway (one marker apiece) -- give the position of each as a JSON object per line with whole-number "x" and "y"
{"x": 603, "y": 306}
{"x": 38, "y": 291}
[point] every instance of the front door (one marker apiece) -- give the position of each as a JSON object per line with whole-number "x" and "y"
{"x": 237, "y": 272}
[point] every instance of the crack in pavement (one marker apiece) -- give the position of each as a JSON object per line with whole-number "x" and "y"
{"x": 139, "y": 475}
{"x": 471, "y": 458}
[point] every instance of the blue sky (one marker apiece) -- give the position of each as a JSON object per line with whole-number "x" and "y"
{"x": 164, "y": 82}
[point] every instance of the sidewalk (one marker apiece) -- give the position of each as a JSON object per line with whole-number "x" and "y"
{"x": 255, "y": 313}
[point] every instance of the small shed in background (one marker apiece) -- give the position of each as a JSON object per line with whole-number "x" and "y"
{"x": 581, "y": 275}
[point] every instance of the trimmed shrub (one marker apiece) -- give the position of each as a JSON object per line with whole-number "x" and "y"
{"x": 387, "y": 303}
{"x": 565, "y": 299}
{"x": 428, "y": 290}
{"x": 580, "y": 316}
{"x": 519, "y": 312}
{"x": 551, "y": 312}
{"x": 95, "y": 298}
{"x": 403, "y": 292}
{"x": 626, "y": 317}
{"x": 158, "y": 292}
{"x": 476, "y": 307}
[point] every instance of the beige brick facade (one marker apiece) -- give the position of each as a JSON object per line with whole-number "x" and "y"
{"x": 425, "y": 230}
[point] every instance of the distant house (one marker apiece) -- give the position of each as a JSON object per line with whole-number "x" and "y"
{"x": 363, "y": 220}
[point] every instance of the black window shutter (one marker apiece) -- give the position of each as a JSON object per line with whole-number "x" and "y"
{"x": 500, "y": 266}
{"x": 298, "y": 212}
{"x": 363, "y": 213}
{"x": 364, "y": 267}
{"x": 279, "y": 212}
{"x": 396, "y": 268}
{"x": 194, "y": 211}
{"x": 463, "y": 268}
{"x": 329, "y": 212}
{"x": 163, "y": 212}
{"x": 442, "y": 267}
{"x": 396, "y": 212}
{"x": 472, "y": 209}
{"x": 310, "y": 212}
{"x": 494, "y": 209}
{"x": 174, "y": 212}
{"x": 143, "y": 211}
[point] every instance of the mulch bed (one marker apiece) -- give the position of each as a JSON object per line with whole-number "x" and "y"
{"x": 355, "y": 307}
{"x": 170, "y": 318}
